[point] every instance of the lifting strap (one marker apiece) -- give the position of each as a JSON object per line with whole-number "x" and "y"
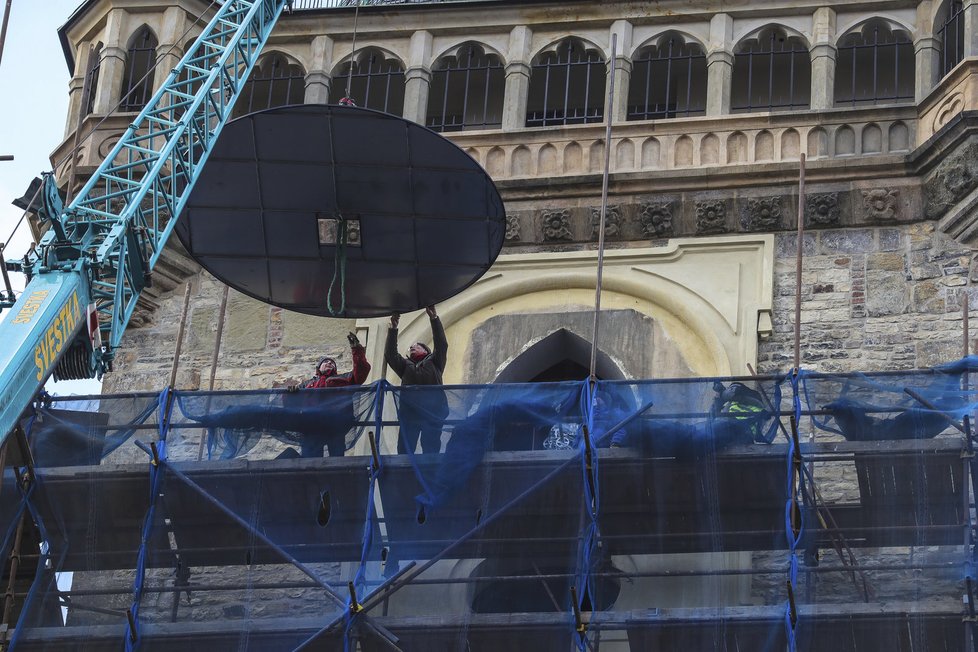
{"x": 339, "y": 270}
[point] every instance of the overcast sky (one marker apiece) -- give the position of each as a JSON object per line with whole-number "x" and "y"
{"x": 33, "y": 110}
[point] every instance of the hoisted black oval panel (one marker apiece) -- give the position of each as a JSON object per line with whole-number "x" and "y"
{"x": 424, "y": 220}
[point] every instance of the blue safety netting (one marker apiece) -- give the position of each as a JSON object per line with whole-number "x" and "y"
{"x": 263, "y": 424}
{"x": 481, "y": 519}
{"x": 890, "y": 406}
{"x": 889, "y": 457}
{"x": 688, "y": 523}
{"x": 716, "y": 513}
{"x": 87, "y": 533}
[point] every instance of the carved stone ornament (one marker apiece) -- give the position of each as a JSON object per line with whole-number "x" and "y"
{"x": 512, "y": 228}
{"x": 556, "y": 225}
{"x": 612, "y": 222}
{"x": 762, "y": 214}
{"x": 711, "y": 216}
{"x": 952, "y": 180}
{"x": 655, "y": 218}
{"x": 881, "y": 204}
{"x": 822, "y": 209}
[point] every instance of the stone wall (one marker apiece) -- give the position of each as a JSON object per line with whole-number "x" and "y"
{"x": 262, "y": 346}
{"x": 886, "y": 297}
{"x": 872, "y": 299}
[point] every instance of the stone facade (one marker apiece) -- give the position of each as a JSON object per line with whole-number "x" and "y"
{"x": 890, "y": 211}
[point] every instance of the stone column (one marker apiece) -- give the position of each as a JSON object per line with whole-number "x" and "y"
{"x": 970, "y": 28}
{"x": 174, "y": 24}
{"x": 416, "y": 83}
{"x": 927, "y": 51}
{"x": 76, "y": 85}
{"x": 318, "y": 80}
{"x": 823, "y": 55}
{"x": 623, "y": 69}
{"x": 517, "y": 79}
{"x": 719, "y": 65}
{"x": 417, "y": 77}
{"x": 113, "y": 64}
{"x": 927, "y": 65}
{"x": 318, "y": 87}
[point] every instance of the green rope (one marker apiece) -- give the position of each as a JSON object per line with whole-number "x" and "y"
{"x": 339, "y": 270}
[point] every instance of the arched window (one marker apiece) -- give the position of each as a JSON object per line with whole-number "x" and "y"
{"x": 91, "y": 79}
{"x": 377, "y": 82}
{"x": 466, "y": 91}
{"x": 950, "y": 20}
{"x": 668, "y": 80}
{"x": 772, "y": 71}
{"x": 567, "y": 86}
{"x": 137, "y": 80}
{"x": 274, "y": 82}
{"x": 875, "y": 65}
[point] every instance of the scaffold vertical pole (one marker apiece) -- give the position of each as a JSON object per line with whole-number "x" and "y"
{"x": 604, "y": 207}
{"x": 799, "y": 253}
{"x": 969, "y": 487}
{"x": 180, "y": 333}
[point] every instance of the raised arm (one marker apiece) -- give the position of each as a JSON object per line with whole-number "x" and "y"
{"x": 361, "y": 368}
{"x": 394, "y": 360}
{"x": 440, "y": 349}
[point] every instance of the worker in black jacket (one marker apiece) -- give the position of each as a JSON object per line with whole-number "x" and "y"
{"x": 421, "y": 410}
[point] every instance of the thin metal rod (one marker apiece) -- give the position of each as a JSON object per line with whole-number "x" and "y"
{"x": 183, "y": 327}
{"x": 604, "y": 206}
{"x": 217, "y": 339}
{"x": 3, "y": 29}
{"x": 217, "y": 350}
{"x": 8, "y": 598}
{"x": 353, "y": 54}
{"x": 799, "y": 252}
{"x": 966, "y": 324}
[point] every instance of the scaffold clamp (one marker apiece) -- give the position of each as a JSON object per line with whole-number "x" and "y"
{"x": 355, "y": 606}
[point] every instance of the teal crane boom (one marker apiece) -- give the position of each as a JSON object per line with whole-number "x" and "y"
{"x": 88, "y": 270}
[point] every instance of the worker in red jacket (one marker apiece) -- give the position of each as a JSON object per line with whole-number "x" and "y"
{"x": 326, "y": 375}
{"x": 341, "y": 420}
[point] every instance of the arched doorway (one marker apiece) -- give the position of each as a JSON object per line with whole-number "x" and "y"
{"x": 561, "y": 355}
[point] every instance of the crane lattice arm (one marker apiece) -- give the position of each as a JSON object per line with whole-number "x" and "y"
{"x": 91, "y": 265}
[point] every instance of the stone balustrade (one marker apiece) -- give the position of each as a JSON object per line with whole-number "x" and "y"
{"x": 734, "y": 140}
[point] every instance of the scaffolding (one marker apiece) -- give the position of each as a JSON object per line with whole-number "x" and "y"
{"x": 807, "y": 511}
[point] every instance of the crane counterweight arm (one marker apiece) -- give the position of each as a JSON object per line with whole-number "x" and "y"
{"x": 102, "y": 248}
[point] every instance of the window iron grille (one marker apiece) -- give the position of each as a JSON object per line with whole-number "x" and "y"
{"x": 466, "y": 92}
{"x": 668, "y": 81}
{"x": 875, "y": 66}
{"x": 138, "y": 77}
{"x": 274, "y": 82}
{"x": 90, "y": 87}
{"x": 772, "y": 73}
{"x": 951, "y": 34}
{"x": 567, "y": 87}
{"x": 376, "y": 83}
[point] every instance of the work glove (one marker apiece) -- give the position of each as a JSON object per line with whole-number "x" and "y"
{"x": 352, "y": 339}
